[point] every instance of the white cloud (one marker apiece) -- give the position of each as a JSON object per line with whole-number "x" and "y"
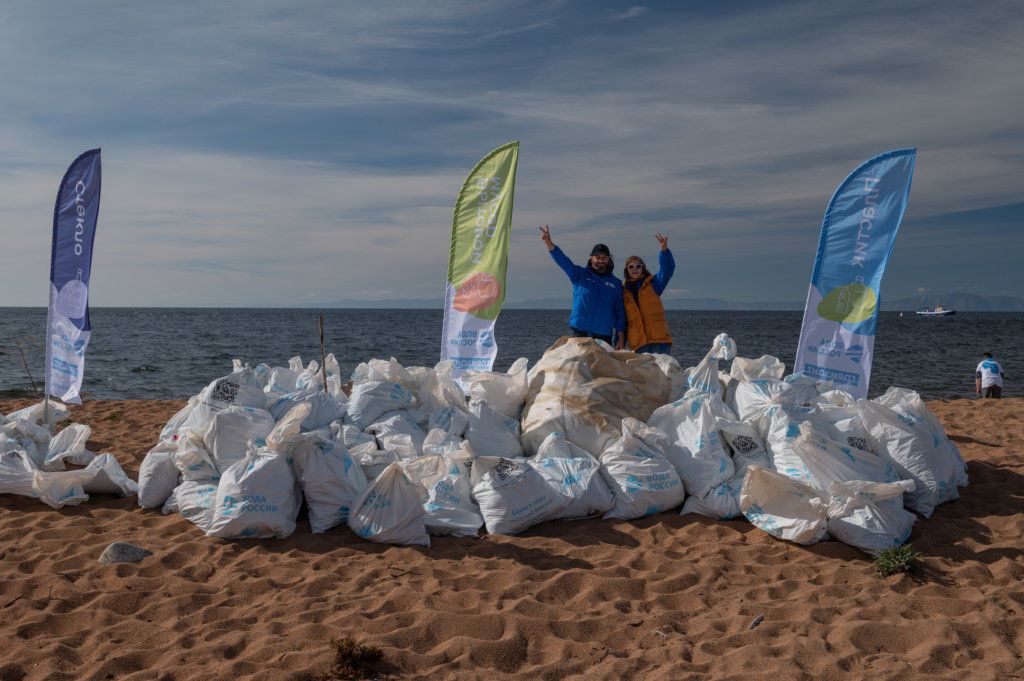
{"x": 630, "y": 13}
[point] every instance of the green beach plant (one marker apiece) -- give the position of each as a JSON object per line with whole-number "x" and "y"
{"x": 896, "y": 559}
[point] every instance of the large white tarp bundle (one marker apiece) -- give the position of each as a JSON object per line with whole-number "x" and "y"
{"x": 583, "y": 391}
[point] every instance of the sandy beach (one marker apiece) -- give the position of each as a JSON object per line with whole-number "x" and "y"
{"x": 668, "y": 597}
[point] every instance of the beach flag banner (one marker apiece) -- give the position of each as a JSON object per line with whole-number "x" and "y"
{"x": 67, "y": 320}
{"x": 837, "y": 337}
{"x": 477, "y": 262}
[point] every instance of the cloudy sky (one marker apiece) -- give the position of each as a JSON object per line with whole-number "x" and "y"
{"x": 267, "y": 152}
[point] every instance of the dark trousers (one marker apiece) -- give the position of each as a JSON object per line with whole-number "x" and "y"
{"x": 993, "y": 391}
{"x": 577, "y": 333}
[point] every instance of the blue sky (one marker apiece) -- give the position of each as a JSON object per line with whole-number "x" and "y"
{"x": 282, "y": 153}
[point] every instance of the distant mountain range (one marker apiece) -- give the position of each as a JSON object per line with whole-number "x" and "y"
{"x": 556, "y": 304}
{"x": 961, "y": 302}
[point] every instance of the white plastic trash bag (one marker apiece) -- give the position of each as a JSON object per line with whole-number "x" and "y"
{"x": 370, "y": 399}
{"x": 23, "y": 429}
{"x": 158, "y": 476}
{"x": 783, "y": 507}
{"x": 449, "y": 418}
{"x": 704, "y": 376}
{"x": 398, "y": 423}
{"x": 280, "y": 381}
{"x": 240, "y": 388}
{"x": 721, "y": 502}
{"x": 323, "y": 408}
{"x": 176, "y": 422}
{"x": 693, "y": 444}
{"x": 195, "y": 502}
{"x": 641, "y": 479}
{"x": 371, "y": 459}
{"x": 193, "y": 460}
{"x": 783, "y": 430}
{"x": 580, "y": 479}
{"x": 843, "y": 424}
{"x": 917, "y": 452}
{"x": 745, "y": 445}
{"x": 17, "y": 473}
{"x": 286, "y": 432}
{"x": 439, "y": 441}
{"x": 513, "y": 495}
{"x": 108, "y": 477}
{"x": 256, "y": 498}
{"x": 503, "y": 392}
{"x": 803, "y": 390}
{"x": 449, "y": 505}
{"x": 227, "y": 436}
{"x": 331, "y": 482}
{"x": 387, "y": 371}
{"x": 350, "y": 435}
{"x": 45, "y": 414}
{"x": 390, "y": 510}
{"x": 765, "y": 366}
{"x": 556, "y": 446}
{"x": 910, "y": 404}
{"x": 61, "y": 488}
{"x": 69, "y": 446}
{"x": 751, "y": 400}
{"x": 827, "y": 461}
{"x": 870, "y": 515}
{"x": 491, "y": 433}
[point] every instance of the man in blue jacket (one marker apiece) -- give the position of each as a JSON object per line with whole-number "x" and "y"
{"x": 597, "y": 309}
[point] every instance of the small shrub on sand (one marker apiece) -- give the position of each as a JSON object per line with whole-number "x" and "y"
{"x": 351, "y": 660}
{"x": 896, "y": 559}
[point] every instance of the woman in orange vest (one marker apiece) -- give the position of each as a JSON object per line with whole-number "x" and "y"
{"x": 646, "y": 326}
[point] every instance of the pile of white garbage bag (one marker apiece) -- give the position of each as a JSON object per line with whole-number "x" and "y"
{"x": 32, "y": 460}
{"x": 586, "y": 432}
{"x": 402, "y": 453}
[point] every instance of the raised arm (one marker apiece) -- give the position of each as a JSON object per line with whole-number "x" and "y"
{"x": 666, "y": 265}
{"x": 545, "y": 236}
{"x": 572, "y": 271}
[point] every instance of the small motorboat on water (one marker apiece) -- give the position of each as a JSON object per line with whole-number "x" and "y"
{"x": 937, "y": 311}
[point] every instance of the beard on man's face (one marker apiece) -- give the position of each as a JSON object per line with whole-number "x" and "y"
{"x": 601, "y": 268}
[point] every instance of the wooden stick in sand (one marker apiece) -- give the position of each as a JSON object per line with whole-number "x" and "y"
{"x": 323, "y": 355}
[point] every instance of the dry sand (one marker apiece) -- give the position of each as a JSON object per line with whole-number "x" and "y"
{"x": 666, "y": 597}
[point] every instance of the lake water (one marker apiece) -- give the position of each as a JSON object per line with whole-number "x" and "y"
{"x": 172, "y": 353}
